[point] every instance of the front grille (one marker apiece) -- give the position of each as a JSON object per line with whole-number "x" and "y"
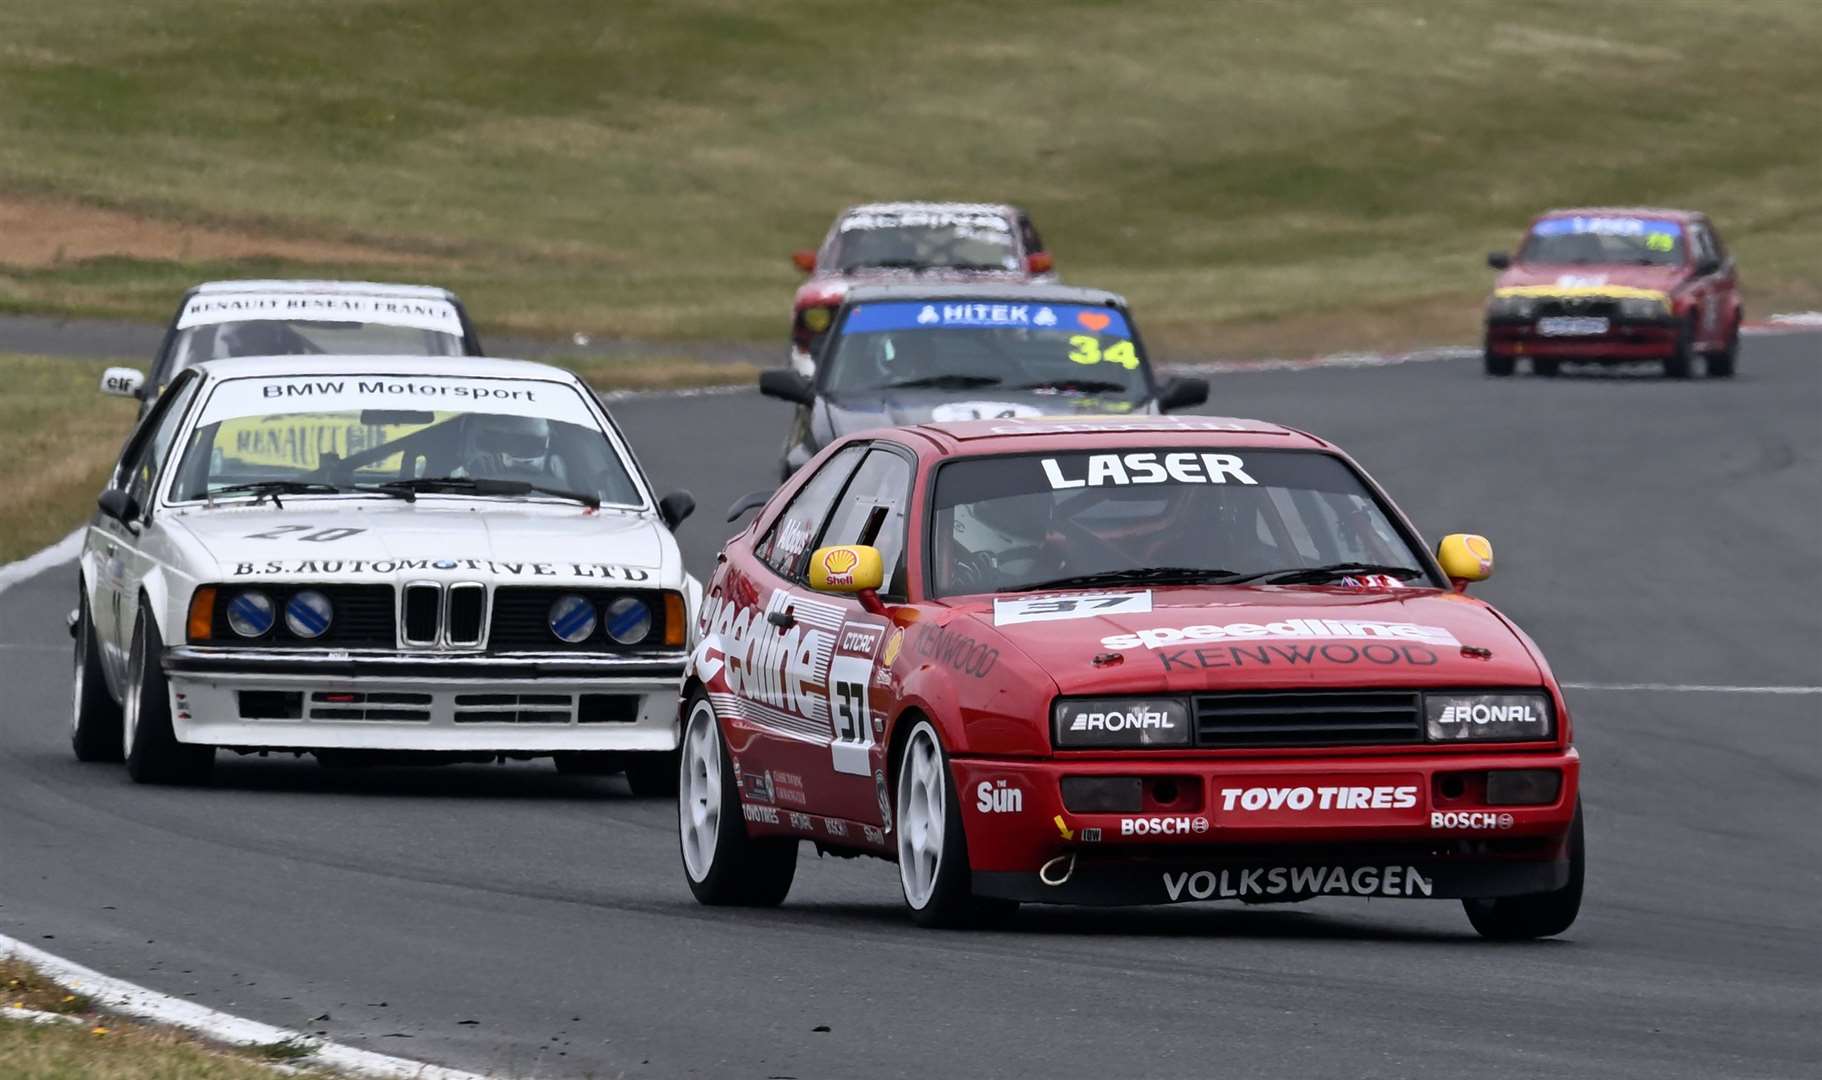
{"x": 423, "y": 612}
{"x": 466, "y": 601}
{"x": 514, "y": 708}
{"x": 521, "y": 620}
{"x": 1577, "y": 307}
{"x": 1287, "y": 718}
{"x": 361, "y": 618}
{"x": 349, "y": 705}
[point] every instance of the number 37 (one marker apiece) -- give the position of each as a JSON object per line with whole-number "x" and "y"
{"x": 1086, "y": 349}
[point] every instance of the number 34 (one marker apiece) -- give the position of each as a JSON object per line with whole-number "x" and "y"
{"x": 1085, "y": 349}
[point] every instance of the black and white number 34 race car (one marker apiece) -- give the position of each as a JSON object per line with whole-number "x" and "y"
{"x": 384, "y": 558}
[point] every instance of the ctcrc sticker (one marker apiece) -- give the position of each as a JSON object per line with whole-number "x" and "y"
{"x": 1024, "y": 609}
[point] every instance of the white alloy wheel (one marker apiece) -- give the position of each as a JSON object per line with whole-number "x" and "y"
{"x": 922, "y": 813}
{"x": 81, "y": 650}
{"x": 699, "y": 798}
{"x": 129, "y": 713}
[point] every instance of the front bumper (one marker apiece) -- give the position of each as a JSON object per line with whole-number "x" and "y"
{"x": 1410, "y": 825}
{"x": 536, "y": 704}
{"x": 1623, "y": 342}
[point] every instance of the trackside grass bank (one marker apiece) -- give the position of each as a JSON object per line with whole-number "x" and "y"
{"x": 87, "y": 1044}
{"x": 1280, "y": 177}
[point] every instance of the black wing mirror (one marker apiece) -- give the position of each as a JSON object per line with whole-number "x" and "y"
{"x": 752, "y": 500}
{"x": 1182, "y": 393}
{"x": 1499, "y": 260}
{"x": 118, "y": 505}
{"x": 786, "y": 385}
{"x": 1707, "y": 266}
{"x": 675, "y": 507}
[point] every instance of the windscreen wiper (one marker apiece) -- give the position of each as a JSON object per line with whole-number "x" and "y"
{"x": 946, "y": 382}
{"x": 274, "y": 488}
{"x": 482, "y": 485}
{"x": 1086, "y": 386}
{"x": 1313, "y": 575}
{"x": 1157, "y": 575}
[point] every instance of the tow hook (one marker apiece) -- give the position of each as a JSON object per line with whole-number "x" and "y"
{"x": 1045, "y": 871}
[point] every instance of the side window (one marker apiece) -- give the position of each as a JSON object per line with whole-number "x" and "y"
{"x": 1702, "y": 246}
{"x": 881, "y": 486}
{"x": 144, "y": 458}
{"x": 1714, "y": 241}
{"x": 1029, "y": 234}
{"x": 786, "y": 546}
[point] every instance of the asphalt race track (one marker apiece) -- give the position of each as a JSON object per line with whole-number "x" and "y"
{"x": 1647, "y": 532}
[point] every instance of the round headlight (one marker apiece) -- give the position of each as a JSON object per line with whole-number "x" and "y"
{"x": 307, "y": 614}
{"x": 629, "y": 621}
{"x": 250, "y": 614}
{"x": 572, "y": 619}
{"x": 817, "y": 319}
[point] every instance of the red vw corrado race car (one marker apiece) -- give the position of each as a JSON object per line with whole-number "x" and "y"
{"x": 1615, "y": 286}
{"x": 1119, "y": 661}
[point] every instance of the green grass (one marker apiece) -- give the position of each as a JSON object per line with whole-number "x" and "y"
{"x": 1250, "y": 171}
{"x": 59, "y": 438}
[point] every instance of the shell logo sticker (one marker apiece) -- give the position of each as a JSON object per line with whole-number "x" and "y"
{"x": 1093, "y": 320}
{"x": 1481, "y": 549}
{"x": 893, "y": 645}
{"x": 840, "y": 563}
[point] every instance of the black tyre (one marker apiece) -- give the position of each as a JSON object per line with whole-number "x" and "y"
{"x": 723, "y": 865}
{"x": 1546, "y": 368}
{"x": 1721, "y": 364}
{"x": 154, "y": 756}
{"x": 933, "y": 867}
{"x": 651, "y": 775}
{"x": 95, "y": 715}
{"x": 1682, "y": 362}
{"x": 1499, "y": 366}
{"x": 1521, "y": 918}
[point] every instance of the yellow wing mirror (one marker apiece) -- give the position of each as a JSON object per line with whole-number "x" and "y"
{"x": 1465, "y": 557}
{"x": 850, "y": 568}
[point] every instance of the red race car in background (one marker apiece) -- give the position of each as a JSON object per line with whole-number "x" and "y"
{"x": 1119, "y": 661}
{"x": 1615, "y": 286}
{"x": 919, "y": 241}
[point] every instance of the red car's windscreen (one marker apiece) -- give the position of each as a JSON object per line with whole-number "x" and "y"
{"x": 1009, "y": 523}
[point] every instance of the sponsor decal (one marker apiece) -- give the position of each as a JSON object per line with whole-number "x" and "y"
{"x": 1217, "y": 657}
{"x": 1372, "y": 581}
{"x": 1063, "y": 426}
{"x": 1145, "y": 467}
{"x": 312, "y": 534}
{"x": 982, "y": 410}
{"x": 793, "y": 536}
{"x": 756, "y": 787}
{"x": 1336, "y": 797}
{"x": 956, "y": 650}
{"x": 859, "y": 640}
{"x": 838, "y": 564}
{"x": 872, "y": 835}
{"x": 1469, "y": 819}
{"x": 765, "y": 815}
{"x": 1480, "y": 714}
{"x": 1181, "y": 825}
{"x": 800, "y": 822}
{"x": 422, "y": 314}
{"x": 1287, "y": 630}
{"x": 1024, "y": 609}
{"x": 1607, "y": 226}
{"x": 997, "y": 797}
{"x": 1060, "y": 319}
{"x": 933, "y": 218}
{"x": 786, "y": 787}
{"x": 835, "y": 827}
{"x": 1138, "y": 718}
{"x": 347, "y": 567}
{"x": 441, "y": 390}
{"x": 1091, "y": 835}
{"x": 327, "y": 410}
{"x": 1287, "y": 881}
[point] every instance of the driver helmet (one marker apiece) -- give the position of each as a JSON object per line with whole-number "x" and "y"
{"x": 259, "y": 337}
{"x": 496, "y": 444}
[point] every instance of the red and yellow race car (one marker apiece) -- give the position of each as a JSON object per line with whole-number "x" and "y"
{"x": 1119, "y": 661}
{"x": 1615, "y": 286}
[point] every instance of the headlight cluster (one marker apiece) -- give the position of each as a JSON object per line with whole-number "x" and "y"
{"x": 1512, "y": 307}
{"x": 1642, "y": 309}
{"x": 627, "y": 620}
{"x": 252, "y": 613}
{"x": 1449, "y": 717}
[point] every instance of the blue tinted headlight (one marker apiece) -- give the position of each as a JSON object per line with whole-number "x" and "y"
{"x": 307, "y": 614}
{"x": 250, "y": 614}
{"x": 629, "y": 620}
{"x": 572, "y": 619}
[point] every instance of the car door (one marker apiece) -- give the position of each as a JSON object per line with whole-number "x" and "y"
{"x": 1724, "y": 292}
{"x": 851, "y": 767}
{"x": 776, "y": 642}
{"x": 123, "y": 544}
{"x": 1708, "y": 271}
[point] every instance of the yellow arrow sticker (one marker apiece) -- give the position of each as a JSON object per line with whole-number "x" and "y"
{"x": 1063, "y": 827}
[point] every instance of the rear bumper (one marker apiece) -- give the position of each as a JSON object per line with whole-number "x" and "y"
{"x": 535, "y": 705}
{"x": 1265, "y": 831}
{"x": 1625, "y": 342}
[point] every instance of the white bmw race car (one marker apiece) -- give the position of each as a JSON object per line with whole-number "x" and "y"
{"x": 383, "y": 558}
